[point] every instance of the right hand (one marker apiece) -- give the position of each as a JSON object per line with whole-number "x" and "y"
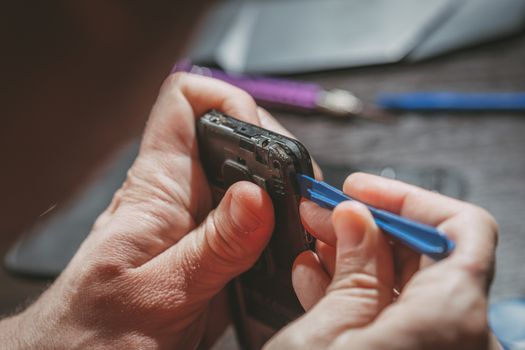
{"x": 347, "y": 287}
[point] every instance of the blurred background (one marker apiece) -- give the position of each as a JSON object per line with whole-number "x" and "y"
{"x": 79, "y": 78}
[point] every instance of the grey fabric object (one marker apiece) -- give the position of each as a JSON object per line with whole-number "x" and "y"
{"x": 474, "y": 22}
{"x": 303, "y": 35}
{"x": 294, "y": 36}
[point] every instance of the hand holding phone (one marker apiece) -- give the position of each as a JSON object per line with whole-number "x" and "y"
{"x": 231, "y": 151}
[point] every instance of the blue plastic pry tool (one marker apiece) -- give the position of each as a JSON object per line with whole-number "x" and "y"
{"x": 422, "y": 238}
{"x": 438, "y": 101}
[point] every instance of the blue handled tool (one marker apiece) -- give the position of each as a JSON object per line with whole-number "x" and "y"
{"x": 422, "y": 238}
{"x": 436, "y": 101}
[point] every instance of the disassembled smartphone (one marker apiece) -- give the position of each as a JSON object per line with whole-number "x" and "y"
{"x": 231, "y": 150}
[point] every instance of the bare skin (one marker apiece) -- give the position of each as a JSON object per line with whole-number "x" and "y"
{"x": 158, "y": 258}
{"x": 440, "y": 305}
{"x": 159, "y": 254}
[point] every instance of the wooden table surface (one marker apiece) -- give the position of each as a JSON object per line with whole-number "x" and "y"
{"x": 486, "y": 149}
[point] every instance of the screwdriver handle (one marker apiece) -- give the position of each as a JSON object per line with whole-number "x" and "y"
{"x": 269, "y": 91}
{"x": 436, "y": 101}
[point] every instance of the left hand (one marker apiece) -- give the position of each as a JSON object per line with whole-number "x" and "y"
{"x": 155, "y": 259}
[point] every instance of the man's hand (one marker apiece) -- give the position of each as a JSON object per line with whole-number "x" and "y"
{"x": 145, "y": 276}
{"x": 350, "y": 287}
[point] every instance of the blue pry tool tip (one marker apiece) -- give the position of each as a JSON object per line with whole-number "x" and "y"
{"x": 422, "y": 238}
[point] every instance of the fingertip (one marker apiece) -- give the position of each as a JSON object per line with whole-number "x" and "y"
{"x": 354, "y": 178}
{"x": 172, "y": 82}
{"x": 207, "y": 93}
{"x": 358, "y": 183}
{"x": 251, "y": 207}
{"x": 318, "y": 173}
{"x": 242, "y": 107}
{"x": 317, "y": 221}
{"x": 309, "y": 279}
{"x": 351, "y": 220}
{"x": 250, "y": 194}
{"x": 305, "y": 258}
{"x": 378, "y": 191}
{"x": 350, "y": 211}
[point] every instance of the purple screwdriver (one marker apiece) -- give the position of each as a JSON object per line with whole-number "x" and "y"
{"x": 285, "y": 93}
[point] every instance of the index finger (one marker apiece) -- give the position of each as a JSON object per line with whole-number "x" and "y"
{"x": 183, "y": 98}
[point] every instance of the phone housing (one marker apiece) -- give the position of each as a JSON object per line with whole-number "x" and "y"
{"x": 231, "y": 150}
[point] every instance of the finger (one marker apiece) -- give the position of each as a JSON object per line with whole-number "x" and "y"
{"x": 326, "y": 254}
{"x": 475, "y": 233}
{"x": 270, "y": 123}
{"x": 472, "y": 228}
{"x": 185, "y": 97}
{"x": 317, "y": 221}
{"x": 309, "y": 279}
{"x": 362, "y": 283}
{"x": 401, "y": 198}
{"x": 364, "y": 273}
{"x": 228, "y": 242}
{"x": 406, "y": 263}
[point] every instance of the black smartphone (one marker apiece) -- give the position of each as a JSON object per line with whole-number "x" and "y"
{"x": 231, "y": 150}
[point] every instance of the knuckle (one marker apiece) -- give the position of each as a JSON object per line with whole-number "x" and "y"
{"x": 476, "y": 267}
{"x": 173, "y": 82}
{"x": 485, "y": 217}
{"x": 363, "y": 295}
{"x": 364, "y": 287}
{"x": 101, "y": 221}
{"x": 117, "y": 198}
{"x": 349, "y": 262}
{"x": 487, "y": 221}
{"x": 358, "y": 281}
{"x": 491, "y": 223}
{"x": 244, "y": 95}
{"x": 483, "y": 272}
{"x": 104, "y": 270}
{"x": 97, "y": 284}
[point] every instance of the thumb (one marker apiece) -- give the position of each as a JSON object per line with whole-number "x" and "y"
{"x": 361, "y": 286}
{"x": 364, "y": 276}
{"x": 227, "y": 243}
{"x": 238, "y": 230}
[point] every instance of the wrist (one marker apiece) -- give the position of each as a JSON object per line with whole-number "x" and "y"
{"x": 40, "y": 326}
